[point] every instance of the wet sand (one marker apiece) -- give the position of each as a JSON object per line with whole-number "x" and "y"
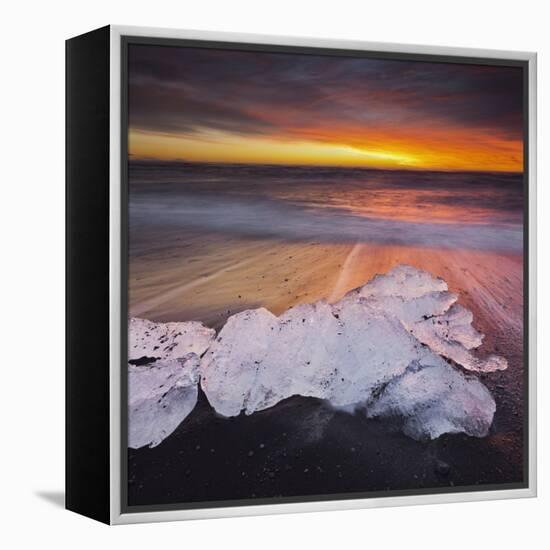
{"x": 301, "y": 447}
{"x": 208, "y": 278}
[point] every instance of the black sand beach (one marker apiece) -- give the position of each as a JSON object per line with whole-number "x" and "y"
{"x": 302, "y": 447}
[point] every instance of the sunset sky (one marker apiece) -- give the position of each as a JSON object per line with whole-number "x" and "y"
{"x": 249, "y": 107}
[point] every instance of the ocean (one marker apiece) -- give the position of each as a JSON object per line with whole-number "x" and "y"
{"x": 481, "y": 211}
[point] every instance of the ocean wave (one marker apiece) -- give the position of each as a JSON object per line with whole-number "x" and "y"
{"x": 267, "y": 218}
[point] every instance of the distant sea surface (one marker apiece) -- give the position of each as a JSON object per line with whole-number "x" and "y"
{"x": 478, "y": 211}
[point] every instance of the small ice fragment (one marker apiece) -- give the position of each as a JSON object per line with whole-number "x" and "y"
{"x": 433, "y": 400}
{"x": 163, "y": 390}
{"x": 167, "y": 340}
{"x": 452, "y": 336}
{"x": 160, "y": 397}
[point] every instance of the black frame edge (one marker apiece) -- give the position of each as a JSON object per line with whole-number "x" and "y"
{"x": 87, "y": 453}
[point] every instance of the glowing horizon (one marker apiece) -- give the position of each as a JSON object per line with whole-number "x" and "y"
{"x": 150, "y": 146}
{"x": 261, "y": 108}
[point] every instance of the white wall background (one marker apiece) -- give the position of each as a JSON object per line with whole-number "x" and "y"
{"x": 32, "y": 270}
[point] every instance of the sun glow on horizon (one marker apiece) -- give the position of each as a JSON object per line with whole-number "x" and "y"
{"x": 432, "y": 151}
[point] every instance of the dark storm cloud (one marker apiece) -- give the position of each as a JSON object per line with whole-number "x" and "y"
{"x": 185, "y": 90}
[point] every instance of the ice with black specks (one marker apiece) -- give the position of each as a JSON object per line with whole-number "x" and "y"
{"x": 160, "y": 396}
{"x": 162, "y": 393}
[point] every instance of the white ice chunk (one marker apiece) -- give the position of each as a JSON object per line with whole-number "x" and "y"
{"x": 160, "y": 397}
{"x": 433, "y": 400}
{"x": 452, "y": 335}
{"x": 259, "y": 359}
{"x": 408, "y": 311}
{"x": 163, "y": 379}
{"x": 383, "y": 346}
{"x": 229, "y": 369}
{"x": 404, "y": 281}
{"x": 427, "y": 310}
{"x": 361, "y": 356}
{"x": 347, "y": 352}
{"x": 167, "y": 340}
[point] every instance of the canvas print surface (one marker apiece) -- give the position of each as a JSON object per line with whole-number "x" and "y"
{"x": 325, "y": 275}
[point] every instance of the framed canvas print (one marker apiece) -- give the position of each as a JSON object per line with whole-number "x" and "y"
{"x": 300, "y": 274}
